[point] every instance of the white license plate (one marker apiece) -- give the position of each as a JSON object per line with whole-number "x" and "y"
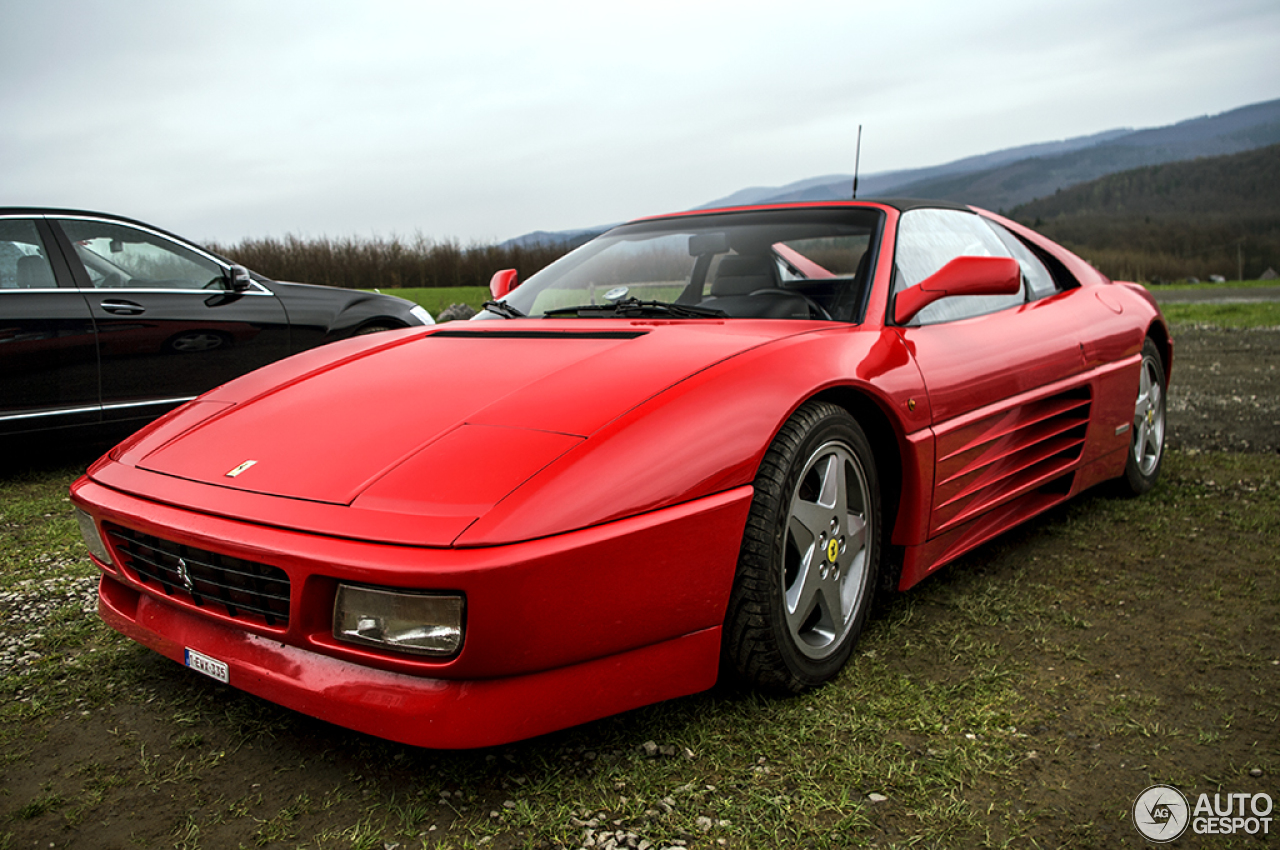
{"x": 211, "y": 667}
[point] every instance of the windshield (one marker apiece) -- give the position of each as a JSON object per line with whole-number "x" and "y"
{"x": 778, "y": 264}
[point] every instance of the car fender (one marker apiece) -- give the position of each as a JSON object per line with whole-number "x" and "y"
{"x": 709, "y": 433}
{"x": 313, "y": 320}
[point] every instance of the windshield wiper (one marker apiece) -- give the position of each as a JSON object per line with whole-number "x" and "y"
{"x": 503, "y": 309}
{"x": 635, "y": 308}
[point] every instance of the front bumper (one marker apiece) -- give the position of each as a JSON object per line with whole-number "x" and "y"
{"x": 559, "y": 631}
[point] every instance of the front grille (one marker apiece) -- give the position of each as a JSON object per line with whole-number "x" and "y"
{"x": 244, "y": 590}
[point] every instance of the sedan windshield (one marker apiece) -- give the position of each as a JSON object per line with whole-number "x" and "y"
{"x": 781, "y": 264}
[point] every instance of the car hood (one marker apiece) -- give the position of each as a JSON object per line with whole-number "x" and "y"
{"x": 444, "y": 422}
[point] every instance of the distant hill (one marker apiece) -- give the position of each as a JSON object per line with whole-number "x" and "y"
{"x": 1019, "y": 182}
{"x": 839, "y": 187}
{"x": 1242, "y": 184}
{"x": 1006, "y": 178}
{"x": 1197, "y": 217}
{"x": 1009, "y": 178}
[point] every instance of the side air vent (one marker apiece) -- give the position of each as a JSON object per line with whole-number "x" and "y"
{"x": 1009, "y": 455}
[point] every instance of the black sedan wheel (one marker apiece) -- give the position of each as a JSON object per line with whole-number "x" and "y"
{"x": 375, "y": 328}
{"x": 807, "y": 570}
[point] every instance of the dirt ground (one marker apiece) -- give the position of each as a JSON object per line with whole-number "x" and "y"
{"x": 1225, "y": 392}
{"x": 1225, "y": 397}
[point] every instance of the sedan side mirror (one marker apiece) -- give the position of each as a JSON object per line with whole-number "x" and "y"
{"x": 961, "y": 276}
{"x": 502, "y": 282}
{"x": 238, "y": 279}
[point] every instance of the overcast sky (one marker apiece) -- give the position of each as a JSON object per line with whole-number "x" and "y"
{"x": 480, "y": 121}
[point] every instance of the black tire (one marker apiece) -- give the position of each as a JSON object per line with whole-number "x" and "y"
{"x": 375, "y": 328}
{"x": 807, "y": 570}
{"x": 1146, "y": 439}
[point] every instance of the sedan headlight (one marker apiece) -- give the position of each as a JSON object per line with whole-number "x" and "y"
{"x": 93, "y": 538}
{"x": 419, "y": 623}
{"x": 420, "y": 313}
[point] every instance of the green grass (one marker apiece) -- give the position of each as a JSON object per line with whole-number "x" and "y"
{"x": 1018, "y": 698}
{"x": 1252, "y": 314}
{"x": 436, "y": 299}
{"x": 1210, "y": 287}
{"x": 39, "y": 538}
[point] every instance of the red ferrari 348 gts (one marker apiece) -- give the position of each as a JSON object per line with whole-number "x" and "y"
{"x": 696, "y": 446}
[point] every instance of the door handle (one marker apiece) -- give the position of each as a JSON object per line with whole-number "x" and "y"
{"x": 123, "y": 308}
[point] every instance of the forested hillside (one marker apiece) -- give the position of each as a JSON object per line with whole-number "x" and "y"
{"x": 1195, "y": 218}
{"x": 1246, "y": 129}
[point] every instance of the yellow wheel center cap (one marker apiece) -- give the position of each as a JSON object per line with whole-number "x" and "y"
{"x": 833, "y": 550}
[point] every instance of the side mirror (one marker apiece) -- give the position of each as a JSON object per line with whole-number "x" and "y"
{"x": 502, "y": 282}
{"x": 238, "y": 279}
{"x": 961, "y": 276}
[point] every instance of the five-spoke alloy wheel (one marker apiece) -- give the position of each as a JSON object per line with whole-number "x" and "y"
{"x": 807, "y": 570}
{"x": 1146, "y": 446}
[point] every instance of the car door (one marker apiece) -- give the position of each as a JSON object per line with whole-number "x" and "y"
{"x": 169, "y": 324}
{"x": 1005, "y": 375}
{"x": 48, "y": 345}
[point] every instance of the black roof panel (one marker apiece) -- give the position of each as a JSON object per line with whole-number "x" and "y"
{"x": 904, "y": 204}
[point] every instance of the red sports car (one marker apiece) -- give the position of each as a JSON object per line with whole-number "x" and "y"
{"x": 696, "y": 446}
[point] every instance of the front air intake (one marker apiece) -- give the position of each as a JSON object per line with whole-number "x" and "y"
{"x": 242, "y": 590}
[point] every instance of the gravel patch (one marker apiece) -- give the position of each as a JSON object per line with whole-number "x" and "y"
{"x": 30, "y": 607}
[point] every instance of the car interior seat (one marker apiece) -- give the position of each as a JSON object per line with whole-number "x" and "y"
{"x": 33, "y": 272}
{"x": 746, "y": 286}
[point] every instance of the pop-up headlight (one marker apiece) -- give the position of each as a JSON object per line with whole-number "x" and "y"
{"x": 419, "y": 623}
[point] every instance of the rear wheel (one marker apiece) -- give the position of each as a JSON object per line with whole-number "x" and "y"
{"x": 1146, "y": 442}
{"x": 807, "y": 570}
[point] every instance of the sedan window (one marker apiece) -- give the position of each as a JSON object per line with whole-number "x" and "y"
{"x": 23, "y": 264}
{"x": 118, "y": 256}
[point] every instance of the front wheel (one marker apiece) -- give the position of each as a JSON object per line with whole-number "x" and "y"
{"x": 807, "y": 570}
{"x": 374, "y": 328}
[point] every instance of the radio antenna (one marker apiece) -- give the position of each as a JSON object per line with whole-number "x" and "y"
{"x": 857, "y": 158}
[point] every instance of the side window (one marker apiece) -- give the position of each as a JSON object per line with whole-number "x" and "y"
{"x": 1040, "y": 283}
{"x": 23, "y": 263}
{"x": 928, "y": 239}
{"x": 116, "y": 255}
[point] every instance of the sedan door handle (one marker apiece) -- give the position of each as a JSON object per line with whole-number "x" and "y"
{"x": 123, "y": 308}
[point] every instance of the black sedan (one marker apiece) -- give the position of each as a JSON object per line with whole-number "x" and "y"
{"x": 104, "y": 319}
